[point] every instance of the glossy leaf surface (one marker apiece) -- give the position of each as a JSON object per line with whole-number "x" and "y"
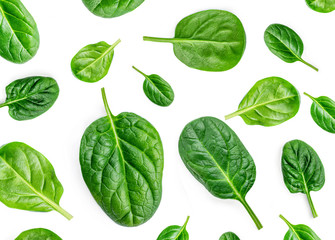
{"x": 271, "y": 101}
{"x": 122, "y": 160}
{"x": 299, "y": 232}
{"x": 229, "y": 236}
{"x": 28, "y": 180}
{"x": 38, "y": 234}
{"x": 322, "y": 6}
{"x": 217, "y": 158}
{"x": 212, "y": 40}
{"x": 175, "y": 232}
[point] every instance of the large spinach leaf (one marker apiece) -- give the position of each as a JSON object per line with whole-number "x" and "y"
{"x": 285, "y": 43}
{"x": 212, "y": 40}
{"x": 93, "y": 61}
{"x": 30, "y": 97}
{"x": 299, "y": 232}
{"x": 302, "y": 169}
{"x": 19, "y": 37}
{"x": 229, "y": 236}
{"x": 157, "y": 89}
{"x": 28, "y": 180}
{"x": 38, "y": 234}
{"x": 322, "y": 6}
{"x": 217, "y": 158}
{"x": 271, "y": 101}
{"x": 175, "y": 232}
{"x": 122, "y": 162}
{"x": 323, "y": 112}
{"x": 111, "y": 8}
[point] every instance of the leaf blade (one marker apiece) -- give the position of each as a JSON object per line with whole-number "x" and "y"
{"x": 38, "y": 234}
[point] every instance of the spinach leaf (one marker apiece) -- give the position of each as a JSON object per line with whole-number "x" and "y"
{"x": 92, "y": 62}
{"x": 19, "y": 37}
{"x": 229, "y": 236}
{"x": 157, "y": 89}
{"x": 212, "y": 40}
{"x": 285, "y": 43}
{"x": 28, "y": 180}
{"x": 38, "y": 234}
{"x": 30, "y": 97}
{"x": 322, "y": 6}
{"x": 302, "y": 170}
{"x": 299, "y": 232}
{"x": 122, "y": 160}
{"x": 270, "y": 102}
{"x": 111, "y": 8}
{"x": 217, "y": 158}
{"x": 175, "y": 232}
{"x": 323, "y": 112}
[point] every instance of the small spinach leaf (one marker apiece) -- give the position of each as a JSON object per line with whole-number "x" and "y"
{"x": 322, "y": 6}
{"x": 19, "y": 37}
{"x": 212, "y": 40}
{"x": 175, "y": 232}
{"x": 285, "y": 43}
{"x": 28, "y": 180}
{"x": 92, "y": 62}
{"x": 157, "y": 89}
{"x": 299, "y": 232}
{"x": 38, "y": 234}
{"x": 217, "y": 158}
{"x": 122, "y": 160}
{"x": 111, "y": 8}
{"x": 323, "y": 112}
{"x": 302, "y": 169}
{"x": 30, "y": 97}
{"x": 229, "y": 236}
{"x": 271, "y": 101}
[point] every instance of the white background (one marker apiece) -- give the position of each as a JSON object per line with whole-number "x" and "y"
{"x": 66, "y": 26}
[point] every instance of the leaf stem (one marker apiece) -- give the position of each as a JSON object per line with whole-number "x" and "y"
{"x": 155, "y": 39}
{"x": 140, "y": 72}
{"x": 104, "y": 98}
{"x": 309, "y": 96}
{"x": 286, "y": 221}
{"x": 115, "y": 44}
{"x": 252, "y": 214}
{"x": 64, "y": 213}
{"x": 235, "y": 114}
{"x": 308, "y": 64}
{"x": 3, "y": 104}
{"x": 311, "y": 204}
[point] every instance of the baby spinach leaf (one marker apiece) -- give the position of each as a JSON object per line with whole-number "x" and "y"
{"x": 302, "y": 170}
{"x": 111, "y": 8}
{"x": 323, "y": 112}
{"x": 122, "y": 160}
{"x": 30, "y": 97}
{"x": 157, "y": 89}
{"x": 38, "y": 234}
{"x": 19, "y": 37}
{"x": 322, "y": 6}
{"x": 212, "y": 40}
{"x": 217, "y": 158}
{"x": 92, "y": 62}
{"x": 28, "y": 180}
{"x": 229, "y": 236}
{"x": 299, "y": 232}
{"x": 175, "y": 232}
{"x": 285, "y": 43}
{"x": 271, "y": 101}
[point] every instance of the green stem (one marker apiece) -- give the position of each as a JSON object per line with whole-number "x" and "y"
{"x": 235, "y": 114}
{"x": 3, "y": 104}
{"x": 286, "y": 221}
{"x": 252, "y": 214}
{"x": 308, "y": 64}
{"x": 115, "y": 44}
{"x": 164, "y": 40}
{"x": 64, "y": 213}
{"x": 309, "y": 96}
{"x": 311, "y": 204}
{"x": 183, "y": 227}
{"x": 140, "y": 72}
{"x": 104, "y": 98}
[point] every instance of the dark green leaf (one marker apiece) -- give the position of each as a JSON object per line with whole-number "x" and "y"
{"x": 229, "y": 236}
{"x": 302, "y": 169}
{"x": 212, "y": 40}
{"x": 299, "y": 232}
{"x": 30, "y": 97}
{"x": 271, "y": 101}
{"x": 175, "y": 232}
{"x": 286, "y": 44}
{"x": 122, "y": 162}
{"x": 19, "y": 37}
{"x": 157, "y": 89}
{"x": 92, "y": 62}
{"x": 322, "y": 6}
{"x": 217, "y": 158}
{"x": 28, "y": 180}
{"x": 38, "y": 234}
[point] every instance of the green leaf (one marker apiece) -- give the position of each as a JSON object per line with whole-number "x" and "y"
{"x": 270, "y": 102}
{"x": 212, "y": 40}
{"x": 302, "y": 169}
{"x": 322, "y": 6}
{"x": 28, "y": 180}
{"x": 122, "y": 160}
{"x": 217, "y": 158}
{"x": 229, "y": 236}
{"x": 19, "y": 37}
{"x": 299, "y": 232}
{"x": 323, "y": 112}
{"x": 92, "y": 62}
{"x": 175, "y": 232}
{"x": 157, "y": 89}
{"x": 285, "y": 43}
{"x": 111, "y": 8}
{"x": 38, "y": 234}
{"x": 30, "y": 97}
